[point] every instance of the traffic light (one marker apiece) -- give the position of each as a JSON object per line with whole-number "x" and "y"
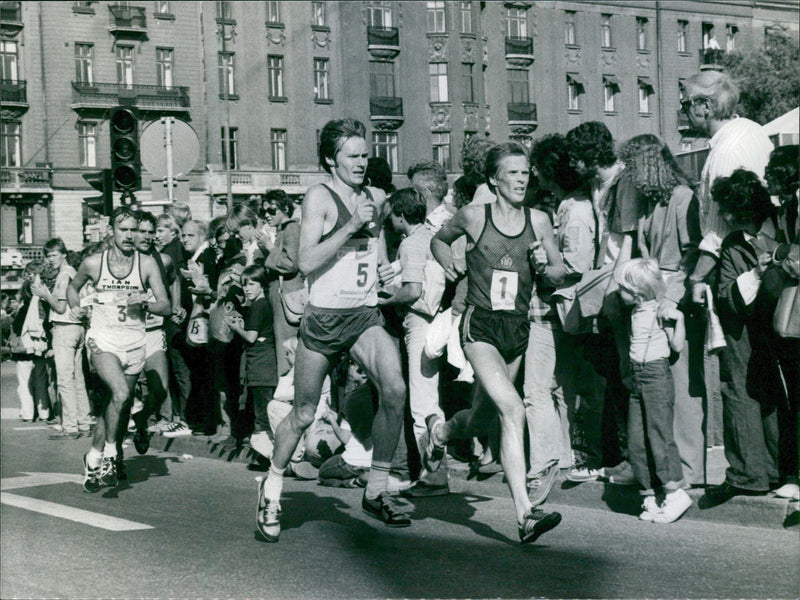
{"x": 126, "y": 164}
{"x": 103, "y": 183}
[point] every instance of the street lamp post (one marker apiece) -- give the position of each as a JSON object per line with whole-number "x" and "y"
{"x": 226, "y": 37}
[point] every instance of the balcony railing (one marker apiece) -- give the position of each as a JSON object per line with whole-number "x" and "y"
{"x": 383, "y": 42}
{"x": 127, "y": 19}
{"x": 522, "y": 112}
{"x": 146, "y": 97}
{"x": 19, "y": 179}
{"x": 712, "y": 58}
{"x": 255, "y": 182}
{"x": 13, "y": 91}
{"x": 519, "y": 46}
{"x": 385, "y": 106}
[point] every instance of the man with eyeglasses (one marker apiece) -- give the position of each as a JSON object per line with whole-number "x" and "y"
{"x": 709, "y": 102}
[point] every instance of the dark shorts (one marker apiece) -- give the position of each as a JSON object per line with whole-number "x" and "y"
{"x": 506, "y": 332}
{"x": 330, "y": 331}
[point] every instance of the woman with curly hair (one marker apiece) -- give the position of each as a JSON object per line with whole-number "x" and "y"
{"x": 669, "y": 232}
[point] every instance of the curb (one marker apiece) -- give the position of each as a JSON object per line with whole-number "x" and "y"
{"x": 748, "y": 511}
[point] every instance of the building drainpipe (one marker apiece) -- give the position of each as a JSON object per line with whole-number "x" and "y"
{"x": 659, "y": 74}
{"x": 50, "y": 216}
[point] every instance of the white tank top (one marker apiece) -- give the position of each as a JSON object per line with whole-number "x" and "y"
{"x": 113, "y": 320}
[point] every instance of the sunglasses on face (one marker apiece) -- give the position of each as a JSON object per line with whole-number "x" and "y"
{"x": 270, "y": 210}
{"x": 687, "y": 103}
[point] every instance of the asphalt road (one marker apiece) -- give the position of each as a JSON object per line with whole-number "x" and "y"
{"x": 200, "y": 540}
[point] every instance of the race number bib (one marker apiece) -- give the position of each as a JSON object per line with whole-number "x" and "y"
{"x": 357, "y": 268}
{"x": 503, "y": 293}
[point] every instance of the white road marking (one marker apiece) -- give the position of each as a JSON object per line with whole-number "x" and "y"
{"x": 32, "y": 428}
{"x": 59, "y": 510}
{"x": 9, "y": 413}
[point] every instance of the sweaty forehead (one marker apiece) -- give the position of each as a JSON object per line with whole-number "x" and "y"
{"x": 353, "y": 145}
{"x": 126, "y": 223}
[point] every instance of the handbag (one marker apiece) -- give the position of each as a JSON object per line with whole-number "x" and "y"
{"x": 197, "y": 327}
{"x": 294, "y": 297}
{"x": 592, "y": 289}
{"x": 786, "y": 319}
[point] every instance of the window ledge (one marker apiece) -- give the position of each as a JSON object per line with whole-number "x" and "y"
{"x": 322, "y": 28}
{"x": 689, "y": 54}
{"x": 645, "y": 114}
{"x": 469, "y": 36}
{"x": 275, "y": 25}
{"x": 282, "y": 99}
{"x": 574, "y": 111}
{"x": 233, "y": 97}
{"x": 642, "y": 51}
{"x": 226, "y": 21}
{"x": 319, "y": 100}
{"x": 608, "y": 48}
{"x": 611, "y": 113}
{"x": 164, "y": 16}
{"x": 466, "y": 103}
{"x": 83, "y": 10}
{"x": 573, "y": 46}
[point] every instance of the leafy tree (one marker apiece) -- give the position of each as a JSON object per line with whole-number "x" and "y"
{"x": 768, "y": 78}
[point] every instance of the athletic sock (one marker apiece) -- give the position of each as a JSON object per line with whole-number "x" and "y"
{"x": 94, "y": 458}
{"x": 274, "y": 484}
{"x": 378, "y": 479}
{"x": 110, "y": 450}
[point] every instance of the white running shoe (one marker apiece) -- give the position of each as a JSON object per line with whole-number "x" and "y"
{"x": 650, "y": 509}
{"x": 177, "y": 430}
{"x": 675, "y": 504}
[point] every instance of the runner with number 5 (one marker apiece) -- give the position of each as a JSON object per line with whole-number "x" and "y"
{"x": 341, "y": 249}
{"x": 128, "y": 285}
{"x": 506, "y": 245}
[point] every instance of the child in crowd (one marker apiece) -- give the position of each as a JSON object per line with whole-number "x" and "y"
{"x": 261, "y": 370}
{"x": 654, "y": 331}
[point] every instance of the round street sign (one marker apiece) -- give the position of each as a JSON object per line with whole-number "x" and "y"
{"x": 185, "y": 148}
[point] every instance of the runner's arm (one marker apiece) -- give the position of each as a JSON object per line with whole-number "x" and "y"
{"x": 555, "y": 271}
{"x": 461, "y": 224}
{"x": 152, "y": 280}
{"x": 88, "y": 271}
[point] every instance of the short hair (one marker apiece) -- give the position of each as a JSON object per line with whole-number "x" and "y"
{"x": 333, "y": 135}
{"x": 473, "y": 158}
{"x": 35, "y": 267}
{"x": 73, "y": 259}
{"x": 121, "y": 213}
{"x": 146, "y": 216}
{"x": 168, "y": 220}
{"x": 239, "y": 216}
{"x": 496, "y": 155}
{"x": 592, "y": 144}
{"x": 281, "y": 199}
{"x": 550, "y": 156}
{"x": 56, "y": 244}
{"x": 718, "y": 88}
{"x": 216, "y": 225}
{"x": 256, "y": 272}
{"x": 379, "y": 174}
{"x": 431, "y": 178}
{"x": 654, "y": 169}
{"x": 202, "y": 227}
{"x": 783, "y": 171}
{"x": 181, "y": 212}
{"x": 743, "y": 196}
{"x": 641, "y": 276}
{"x": 409, "y": 203}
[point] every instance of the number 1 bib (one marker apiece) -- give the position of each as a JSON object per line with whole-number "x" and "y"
{"x": 503, "y": 293}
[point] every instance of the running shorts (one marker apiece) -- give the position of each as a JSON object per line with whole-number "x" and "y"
{"x": 508, "y": 333}
{"x": 132, "y": 360}
{"x": 330, "y": 331}
{"x": 155, "y": 340}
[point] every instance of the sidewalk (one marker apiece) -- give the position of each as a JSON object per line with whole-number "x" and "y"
{"x": 757, "y": 511}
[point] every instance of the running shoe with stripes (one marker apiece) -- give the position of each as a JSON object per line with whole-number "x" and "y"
{"x": 384, "y": 508}
{"x": 434, "y": 453}
{"x": 177, "y": 429}
{"x": 536, "y": 523}
{"x": 268, "y": 514}
{"x": 91, "y": 477}
{"x": 108, "y": 471}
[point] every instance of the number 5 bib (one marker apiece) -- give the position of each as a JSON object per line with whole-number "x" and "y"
{"x": 350, "y": 279}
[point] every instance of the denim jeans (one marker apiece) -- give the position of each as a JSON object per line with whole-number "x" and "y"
{"x": 423, "y": 389}
{"x": 31, "y": 386}
{"x": 652, "y": 451}
{"x": 336, "y": 468}
{"x": 68, "y": 343}
{"x": 545, "y": 411}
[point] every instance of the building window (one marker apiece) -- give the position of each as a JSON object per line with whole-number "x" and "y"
{"x": 708, "y": 35}
{"x": 441, "y": 149}
{"x": 164, "y": 67}
{"x": 380, "y": 14}
{"x": 468, "y": 79}
{"x": 384, "y": 145}
{"x": 465, "y": 9}
{"x": 610, "y": 89}
{"x": 436, "y": 21}
{"x": 10, "y": 145}
{"x": 162, "y": 7}
{"x": 730, "y": 37}
{"x": 381, "y": 78}
{"x": 83, "y": 5}
{"x": 438, "y": 73}
{"x": 321, "y": 91}
{"x": 318, "y": 17}
{"x": 574, "y": 90}
{"x": 224, "y": 12}
{"x": 124, "y": 55}
{"x": 83, "y": 63}
{"x": 273, "y": 12}
{"x": 87, "y": 150}
{"x": 641, "y": 33}
{"x": 277, "y": 139}
{"x": 233, "y": 144}
{"x": 645, "y": 90}
{"x": 226, "y": 67}
{"x": 275, "y": 68}
{"x": 518, "y": 85}
{"x": 683, "y": 31}
{"x": 686, "y": 146}
{"x": 516, "y": 22}
{"x": 606, "y": 40}
{"x": 8, "y": 60}
{"x": 24, "y": 223}
{"x": 569, "y": 28}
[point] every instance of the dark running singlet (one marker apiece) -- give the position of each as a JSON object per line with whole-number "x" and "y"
{"x": 499, "y": 272}
{"x": 350, "y": 278}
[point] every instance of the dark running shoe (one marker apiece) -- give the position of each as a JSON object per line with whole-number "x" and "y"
{"x": 91, "y": 477}
{"x": 385, "y": 509}
{"x": 434, "y": 453}
{"x": 423, "y": 489}
{"x": 268, "y": 514}
{"x": 536, "y": 523}
{"x": 108, "y": 472}
{"x": 141, "y": 440}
